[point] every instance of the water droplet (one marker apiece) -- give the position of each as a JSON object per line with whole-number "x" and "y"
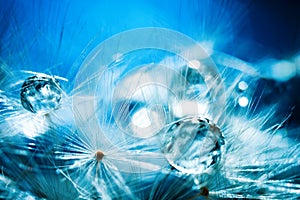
{"x": 40, "y": 94}
{"x": 193, "y": 144}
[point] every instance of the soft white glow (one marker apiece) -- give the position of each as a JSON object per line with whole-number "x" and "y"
{"x": 243, "y": 101}
{"x": 141, "y": 118}
{"x": 34, "y": 126}
{"x": 189, "y": 108}
{"x": 284, "y": 70}
{"x": 29, "y": 198}
{"x": 151, "y": 93}
{"x": 195, "y": 64}
{"x": 45, "y": 90}
{"x": 147, "y": 122}
{"x": 118, "y": 57}
{"x": 208, "y": 46}
{"x": 243, "y": 85}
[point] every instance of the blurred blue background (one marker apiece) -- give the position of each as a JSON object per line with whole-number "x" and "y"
{"x": 54, "y": 37}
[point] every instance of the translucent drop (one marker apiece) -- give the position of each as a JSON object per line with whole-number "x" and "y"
{"x": 193, "y": 145}
{"x": 40, "y": 94}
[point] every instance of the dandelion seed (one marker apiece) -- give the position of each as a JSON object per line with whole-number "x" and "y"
{"x": 137, "y": 121}
{"x": 204, "y": 191}
{"x": 99, "y": 155}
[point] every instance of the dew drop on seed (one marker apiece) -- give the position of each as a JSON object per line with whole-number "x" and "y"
{"x": 40, "y": 94}
{"x": 193, "y": 145}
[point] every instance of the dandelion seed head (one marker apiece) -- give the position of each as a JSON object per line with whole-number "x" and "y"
{"x": 99, "y": 155}
{"x": 204, "y": 191}
{"x": 143, "y": 104}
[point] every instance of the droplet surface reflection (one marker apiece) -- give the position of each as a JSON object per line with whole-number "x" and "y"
{"x": 193, "y": 145}
{"x": 40, "y": 94}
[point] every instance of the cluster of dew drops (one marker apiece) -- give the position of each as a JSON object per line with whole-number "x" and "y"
{"x": 41, "y": 94}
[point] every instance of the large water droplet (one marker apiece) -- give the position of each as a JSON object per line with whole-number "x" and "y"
{"x": 41, "y": 94}
{"x": 193, "y": 145}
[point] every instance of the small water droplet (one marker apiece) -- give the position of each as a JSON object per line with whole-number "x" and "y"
{"x": 41, "y": 94}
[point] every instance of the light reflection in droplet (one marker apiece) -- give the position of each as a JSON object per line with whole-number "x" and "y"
{"x": 141, "y": 118}
{"x": 243, "y": 101}
{"x": 41, "y": 94}
{"x": 243, "y": 85}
